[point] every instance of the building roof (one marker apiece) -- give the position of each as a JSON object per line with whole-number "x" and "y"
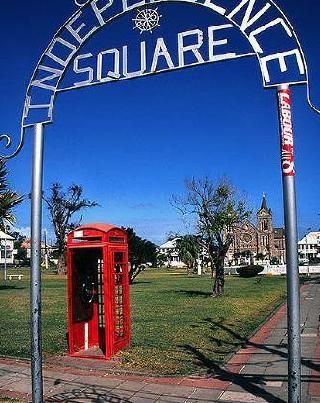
{"x": 264, "y": 205}
{"x": 169, "y": 244}
{"x": 311, "y": 238}
{"x": 3, "y": 235}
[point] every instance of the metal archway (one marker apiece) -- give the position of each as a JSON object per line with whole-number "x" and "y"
{"x": 252, "y": 18}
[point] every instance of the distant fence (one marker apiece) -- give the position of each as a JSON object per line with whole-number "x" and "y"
{"x": 277, "y": 270}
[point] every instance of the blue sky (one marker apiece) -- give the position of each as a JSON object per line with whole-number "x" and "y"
{"x": 132, "y": 144}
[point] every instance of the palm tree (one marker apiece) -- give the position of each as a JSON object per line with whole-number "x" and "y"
{"x": 188, "y": 250}
{"x": 8, "y": 199}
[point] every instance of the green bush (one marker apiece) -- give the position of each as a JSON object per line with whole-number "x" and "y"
{"x": 250, "y": 271}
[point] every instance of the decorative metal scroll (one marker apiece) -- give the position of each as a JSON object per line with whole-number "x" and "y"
{"x": 254, "y": 19}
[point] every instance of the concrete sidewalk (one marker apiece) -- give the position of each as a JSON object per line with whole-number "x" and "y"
{"x": 257, "y": 373}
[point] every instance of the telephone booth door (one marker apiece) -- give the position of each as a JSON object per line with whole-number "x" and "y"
{"x": 118, "y": 259}
{"x": 98, "y": 291}
{"x": 87, "y": 317}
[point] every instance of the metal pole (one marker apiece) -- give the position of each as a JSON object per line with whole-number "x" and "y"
{"x": 5, "y": 259}
{"x": 46, "y": 257}
{"x": 35, "y": 284}
{"x": 290, "y": 219}
{"x": 307, "y": 258}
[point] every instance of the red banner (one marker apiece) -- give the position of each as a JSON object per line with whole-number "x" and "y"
{"x": 286, "y": 132}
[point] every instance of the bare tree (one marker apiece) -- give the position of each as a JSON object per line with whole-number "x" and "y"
{"x": 62, "y": 206}
{"x": 215, "y": 209}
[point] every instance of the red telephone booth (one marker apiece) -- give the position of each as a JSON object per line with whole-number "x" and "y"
{"x": 98, "y": 291}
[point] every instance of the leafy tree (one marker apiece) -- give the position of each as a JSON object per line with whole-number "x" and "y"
{"x": 62, "y": 206}
{"x": 141, "y": 251}
{"x": 21, "y": 254}
{"x": 188, "y": 248}
{"x": 214, "y": 209}
{"x": 161, "y": 259}
{"x": 8, "y": 199}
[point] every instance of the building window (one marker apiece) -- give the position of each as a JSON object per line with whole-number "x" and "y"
{"x": 8, "y": 255}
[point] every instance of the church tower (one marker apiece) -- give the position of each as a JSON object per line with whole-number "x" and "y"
{"x": 265, "y": 229}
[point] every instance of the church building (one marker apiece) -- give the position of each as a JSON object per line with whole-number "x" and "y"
{"x": 257, "y": 243}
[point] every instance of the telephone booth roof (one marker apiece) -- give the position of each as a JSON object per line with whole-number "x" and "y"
{"x": 96, "y": 233}
{"x": 97, "y": 226}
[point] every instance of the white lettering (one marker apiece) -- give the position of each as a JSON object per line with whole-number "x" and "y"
{"x": 134, "y": 5}
{"x": 212, "y": 43}
{"x": 58, "y": 59}
{"x": 75, "y": 31}
{"x": 214, "y": 7}
{"x": 254, "y": 33}
{"x": 161, "y": 50}
{"x": 194, "y": 48}
{"x": 143, "y": 61}
{"x": 282, "y": 62}
{"x": 41, "y": 82}
{"x": 99, "y": 11}
{"x": 78, "y": 70}
{"x": 28, "y": 106}
{"x": 111, "y": 74}
{"x": 247, "y": 19}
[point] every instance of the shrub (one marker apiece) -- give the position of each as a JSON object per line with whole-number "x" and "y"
{"x": 250, "y": 271}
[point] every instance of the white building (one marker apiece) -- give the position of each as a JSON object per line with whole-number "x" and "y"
{"x": 169, "y": 250}
{"x": 309, "y": 247}
{"x": 7, "y": 251}
{"x": 45, "y": 248}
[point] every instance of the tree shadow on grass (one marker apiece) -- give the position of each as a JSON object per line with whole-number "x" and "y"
{"x": 192, "y": 293}
{"x": 136, "y": 282}
{"x": 10, "y": 287}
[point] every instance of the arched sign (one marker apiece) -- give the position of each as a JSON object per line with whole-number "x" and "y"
{"x": 67, "y": 64}
{"x": 256, "y": 20}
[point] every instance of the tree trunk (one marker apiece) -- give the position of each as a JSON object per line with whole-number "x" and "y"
{"x": 218, "y": 287}
{"x": 61, "y": 265}
{"x": 212, "y": 268}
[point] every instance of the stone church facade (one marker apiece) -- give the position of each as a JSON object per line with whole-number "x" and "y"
{"x": 257, "y": 243}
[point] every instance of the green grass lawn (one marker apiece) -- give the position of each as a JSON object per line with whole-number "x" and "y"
{"x": 177, "y": 327}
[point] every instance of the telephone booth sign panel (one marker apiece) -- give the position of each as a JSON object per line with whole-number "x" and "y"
{"x": 98, "y": 291}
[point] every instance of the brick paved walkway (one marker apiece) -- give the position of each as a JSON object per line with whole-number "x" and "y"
{"x": 257, "y": 373}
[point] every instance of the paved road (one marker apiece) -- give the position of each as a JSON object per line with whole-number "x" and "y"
{"x": 257, "y": 373}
